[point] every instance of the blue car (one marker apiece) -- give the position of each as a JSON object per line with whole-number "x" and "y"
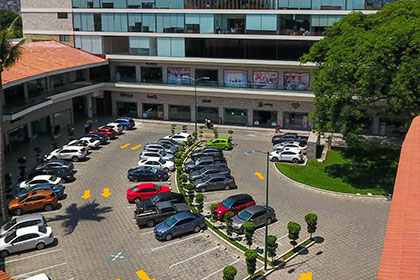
{"x": 96, "y": 136}
{"x": 57, "y": 189}
{"x": 127, "y": 123}
{"x": 179, "y": 224}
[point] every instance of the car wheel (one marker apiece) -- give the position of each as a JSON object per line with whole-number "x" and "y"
{"x": 227, "y": 187}
{"x": 75, "y": 159}
{"x": 168, "y": 237}
{"x": 150, "y": 223}
{"x": 226, "y": 148}
{"x": 4, "y": 253}
{"x": 197, "y": 229}
{"x": 48, "y": 207}
{"x": 125, "y": 128}
{"x": 295, "y": 160}
{"x": 17, "y": 212}
{"x": 166, "y": 169}
{"x": 54, "y": 158}
{"x": 275, "y": 159}
{"x": 40, "y": 245}
{"x": 137, "y": 200}
{"x": 202, "y": 189}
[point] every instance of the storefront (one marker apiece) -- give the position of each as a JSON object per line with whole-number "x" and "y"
{"x": 211, "y": 113}
{"x": 40, "y": 127}
{"x": 152, "y": 111}
{"x": 264, "y": 118}
{"x": 292, "y": 120}
{"x": 62, "y": 119}
{"x": 179, "y": 113}
{"x": 236, "y": 116}
{"x": 18, "y": 135}
{"x": 127, "y": 109}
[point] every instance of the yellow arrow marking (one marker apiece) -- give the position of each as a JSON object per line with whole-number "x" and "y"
{"x": 208, "y": 134}
{"x": 259, "y": 175}
{"x": 125, "y": 146}
{"x": 143, "y": 275}
{"x": 136, "y": 147}
{"x": 305, "y": 276}
{"x": 86, "y": 195}
{"x": 106, "y": 192}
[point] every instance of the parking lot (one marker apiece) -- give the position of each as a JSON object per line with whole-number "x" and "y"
{"x": 98, "y": 238}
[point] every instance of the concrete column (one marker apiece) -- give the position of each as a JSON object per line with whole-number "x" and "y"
{"x": 280, "y": 118}
{"x": 138, "y": 73}
{"x": 375, "y": 125}
{"x": 28, "y": 125}
{"x": 25, "y": 90}
{"x": 89, "y": 106}
{"x": 166, "y": 111}
{"x": 250, "y": 116}
{"x": 221, "y": 112}
{"x": 139, "y": 110}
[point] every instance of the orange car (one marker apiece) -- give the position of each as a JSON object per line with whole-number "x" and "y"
{"x": 36, "y": 200}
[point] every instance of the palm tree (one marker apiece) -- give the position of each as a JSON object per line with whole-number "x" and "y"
{"x": 9, "y": 55}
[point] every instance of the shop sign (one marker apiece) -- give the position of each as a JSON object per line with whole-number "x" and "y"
{"x": 295, "y": 105}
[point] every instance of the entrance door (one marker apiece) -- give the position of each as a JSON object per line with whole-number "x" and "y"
{"x": 100, "y": 110}
{"x": 236, "y": 116}
{"x": 211, "y": 113}
{"x": 79, "y": 106}
{"x": 296, "y": 121}
{"x": 127, "y": 109}
{"x": 153, "y": 111}
{"x": 265, "y": 118}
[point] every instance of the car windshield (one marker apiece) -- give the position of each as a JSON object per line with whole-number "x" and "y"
{"x": 228, "y": 202}
{"x": 22, "y": 198}
{"x": 53, "y": 178}
{"x": 162, "y": 153}
{"x": 133, "y": 189}
{"x": 158, "y": 187}
{"x": 171, "y": 221}
{"x": 162, "y": 161}
{"x": 154, "y": 199}
{"x": 206, "y": 178}
{"x": 42, "y": 229}
{"x": 244, "y": 215}
{"x": 9, "y": 224}
{"x": 10, "y": 237}
{"x": 202, "y": 170}
{"x": 153, "y": 170}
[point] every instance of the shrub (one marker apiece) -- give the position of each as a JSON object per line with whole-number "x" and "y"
{"x": 251, "y": 261}
{"x": 190, "y": 188}
{"x": 194, "y": 134}
{"x": 294, "y": 229}
{"x": 230, "y": 131}
{"x": 178, "y": 162}
{"x": 22, "y": 160}
{"x": 228, "y": 220}
{"x": 229, "y": 272}
{"x": 216, "y": 133}
{"x": 249, "y": 229}
{"x": 199, "y": 199}
{"x": 181, "y": 148}
{"x": 89, "y": 122}
{"x": 8, "y": 180}
{"x": 179, "y": 168}
{"x": 213, "y": 207}
{"x": 311, "y": 220}
{"x": 272, "y": 246}
{"x": 184, "y": 128}
{"x": 201, "y": 127}
{"x": 183, "y": 178}
{"x": 178, "y": 155}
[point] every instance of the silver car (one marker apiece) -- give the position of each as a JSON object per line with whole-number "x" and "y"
{"x": 75, "y": 153}
{"x": 25, "y": 239}
{"x": 255, "y": 214}
{"x": 289, "y": 155}
{"x": 22, "y": 222}
{"x": 161, "y": 146}
{"x": 160, "y": 153}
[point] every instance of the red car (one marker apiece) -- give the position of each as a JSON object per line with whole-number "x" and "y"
{"x": 105, "y": 131}
{"x": 234, "y": 203}
{"x": 144, "y": 191}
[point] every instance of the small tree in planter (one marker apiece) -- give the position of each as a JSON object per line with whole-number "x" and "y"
{"x": 228, "y": 220}
{"x": 70, "y": 132}
{"x": 182, "y": 147}
{"x": 173, "y": 126}
{"x": 216, "y": 133}
{"x": 229, "y": 272}
{"x": 294, "y": 229}
{"x": 22, "y": 167}
{"x": 183, "y": 178}
{"x": 184, "y": 128}
{"x": 54, "y": 141}
{"x": 230, "y": 131}
{"x": 8, "y": 181}
{"x": 272, "y": 246}
{"x": 213, "y": 208}
{"x": 311, "y": 219}
{"x": 37, "y": 154}
{"x": 178, "y": 162}
{"x": 251, "y": 261}
{"x": 194, "y": 134}
{"x": 190, "y": 140}
{"x": 190, "y": 191}
{"x": 201, "y": 130}
{"x": 179, "y": 168}
{"x": 199, "y": 199}
{"x": 249, "y": 229}
{"x": 90, "y": 123}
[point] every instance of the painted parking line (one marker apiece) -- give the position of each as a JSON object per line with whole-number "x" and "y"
{"x": 217, "y": 271}
{"x": 193, "y": 257}
{"x": 145, "y": 233}
{"x": 39, "y": 270}
{"x": 176, "y": 242}
{"x": 51, "y": 212}
{"x": 125, "y": 146}
{"x": 28, "y": 257}
{"x": 210, "y": 202}
{"x": 136, "y": 147}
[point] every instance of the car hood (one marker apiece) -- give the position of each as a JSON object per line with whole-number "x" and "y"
{"x": 129, "y": 191}
{"x": 144, "y": 204}
{"x": 165, "y": 189}
{"x": 162, "y": 227}
{"x": 13, "y": 203}
{"x": 195, "y": 174}
{"x": 198, "y": 181}
{"x": 237, "y": 222}
{"x": 221, "y": 209}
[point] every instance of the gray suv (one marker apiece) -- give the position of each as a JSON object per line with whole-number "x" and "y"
{"x": 21, "y": 222}
{"x": 255, "y": 214}
{"x": 214, "y": 182}
{"x": 204, "y": 161}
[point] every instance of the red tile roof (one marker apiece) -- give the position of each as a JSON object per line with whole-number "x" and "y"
{"x": 4, "y": 276}
{"x": 43, "y": 57}
{"x": 401, "y": 251}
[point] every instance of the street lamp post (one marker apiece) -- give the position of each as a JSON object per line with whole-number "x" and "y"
{"x": 266, "y": 201}
{"x": 195, "y": 97}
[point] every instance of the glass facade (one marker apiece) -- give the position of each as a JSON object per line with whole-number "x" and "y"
{"x": 293, "y": 120}
{"x": 179, "y": 113}
{"x": 211, "y": 113}
{"x": 236, "y": 116}
{"x": 127, "y": 109}
{"x": 125, "y": 74}
{"x": 153, "y": 111}
{"x": 151, "y": 74}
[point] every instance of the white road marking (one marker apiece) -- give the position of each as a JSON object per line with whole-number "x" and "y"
{"x": 208, "y": 202}
{"x": 144, "y": 233}
{"x": 51, "y": 212}
{"x": 193, "y": 257}
{"x": 39, "y": 270}
{"x": 28, "y": 257}
{"x": 176, "y": 242}
{"x": 217, "y": 271}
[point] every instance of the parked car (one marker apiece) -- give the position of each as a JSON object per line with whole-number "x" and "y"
{"x": 178, "y": 137}
{"x": 36, "y": 200}
{"x": 26, "y": 238}
{"x": 105, "y": 131}
{"x": 206, "y": 152}
{"x": 255, "y": 214}
{"x": 118, "y": 128}
{"x": 159, "y": 154}
{"x": 57, "y": 189}
{"x": 158, "y": 213}
{"x": 67, "y": 175}
{"x": 39, "y": 180}
{"x": 289, "y": 155}
{"x": 58, "y": 163}
{"x": 127, "y": 123}
{"x": 204, "y": 161}
{"x": 158, "y": 162}
{"x": 90, "y": 142}
{"x": 224, "y": 143}
{"x": 22, "y": 222}
{"x": 75, "y": 153}
{"x": 161, "y": 146}
{"x": 158, "y": 150}
{"x": 207, "y": 170}
{"x": 102, "y": 138}
{"x": 144, "y": 191}
{"x": 78, "y": 143}
{"x": 147, "y": 173}
{"x": 234, "y": 203}
{"x": 288, "y": 137}
{"x": 178, "y": 224}
{"x": 285, "y": 146}
{"x": 41, "y": 276}
{"x": 160, "y": 197}
{"x": 213, "y": 182}
{"x": 169, "y": 142}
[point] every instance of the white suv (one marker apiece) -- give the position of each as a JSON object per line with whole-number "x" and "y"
{"x": 289, "y": 155}
{"x": 159, "y": 163}
{"x": 179, "y": 137}
{"x": 291, "y": 146}
{"x": 93, "y": 143}
{"x": 115, "y": 126}
{"x": 159, "y": 153}
{"x": 75, "y": 153}
{"x": 39, "y": 180}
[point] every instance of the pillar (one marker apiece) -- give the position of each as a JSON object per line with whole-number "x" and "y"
{"x": 89, "y": 106}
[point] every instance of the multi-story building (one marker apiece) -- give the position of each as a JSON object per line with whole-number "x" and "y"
{"x": 244, "y": 53}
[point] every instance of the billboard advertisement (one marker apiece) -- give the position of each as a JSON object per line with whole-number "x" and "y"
{"x": 233, "y": 78}
{"x": 178, "y": 76}
{"x": 296, "y": 81}
{"x": 266, "y": 79}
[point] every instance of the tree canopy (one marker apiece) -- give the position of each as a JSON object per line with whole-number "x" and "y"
{"x": 367, "y": 63}
{"x": 6, "y": 19}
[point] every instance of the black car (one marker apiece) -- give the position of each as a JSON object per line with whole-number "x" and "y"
{"x": 160, "y": 197}
{"x": 58, "y": 163}
{"x": 204, "y": 161}
{"x": 147, "y": 173}
{"x": 67, "y": 175}
{"x": 201, "y": 173}
{"x": 288, "y": 137}
{"x": 215, "y": 182}
{"x": 206, "y": 152}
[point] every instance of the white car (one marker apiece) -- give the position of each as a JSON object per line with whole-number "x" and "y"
{"x": 26, "y": 238}
{"x": 158, "y": 163}
{"x": 179, "y": 137}
{"x": 41, "y": 276}
{"x": 93, "y": 143}
{"x": 77, "y": 143}
{"x": 291, "y": 146}
{"x": 160, "y": 153}
{"x": 39, "y": 180}
{"x": 118, "y": 128}
{"x": 290, "y": 155}
{"x": 75, "y": 153}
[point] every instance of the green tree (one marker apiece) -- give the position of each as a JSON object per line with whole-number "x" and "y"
{"x": 294, "y": 229}
{"x": 311, "y": 220}
{"x": 184, "y": 128}
{"x": 249, "y": 230}
{"x": 272, "y": 246}
{"x": 251, "y": 261}
{"x": 190, "y": 191}
{"x": 183, "y": 178}
{"x": 54, "y": 139}
{"x": 6, "y": 19}
{"x": 229, "y": 272}
{"x": 368, "y": 65}
{"x": 199, "y": 199}
{"x": 213, "y": 208}
{"x": 228, "y": 220}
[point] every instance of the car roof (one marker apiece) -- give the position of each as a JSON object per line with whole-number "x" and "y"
{"x": 41, "y": 276}
{"x": 29, "y": 217}
{"x": 182, "y": 134}
{"x": 240, "y": 196}
{"x": 218, "y": 175}
{"x": 222, "y": 138}
{"x": 41, "y": 177}
{"x": 74, "y": 147}
{"x": 183, "y": 215}
{"x": 152, "y": 158}
{"x": 164, "y": 204}
{"x": 40, "y": 192}
{"x": 145, "y": 185}
{"x": 256, "y": 208}
{"x": 26, "y": 230}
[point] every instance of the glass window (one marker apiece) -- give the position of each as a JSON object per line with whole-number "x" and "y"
{"x": 235, "y": 78}
{"x": 178, "y": 76}
{"x": 151, "y": 74}
{"x": 83, "y": 22}
{"x": 236, "y": 116}
{"x": 265, "y": 79}
{"x": 212, "y": 74}
{"x": 211, "y": 113}
{"x": 114, "y": 22}
{"x": 170, "y": 4}
{"x": 36, "y": 87}
{"x": 199, "y": 23}
{"x": 261, "y": 22}
{"x": 134, "y": 23}
{"x": 62, "y": 15}
{"x": 296, "y": 81}
{"x": 171, "y": 47}
{"x": 179, "y": 113}
{"x": 59, "y": 82}
{"x": 125, "y": 73}
{"x": 133, "y": 4}
{"x": 153, "y": 111}
{"x": 149, "y": 22}
{"x": 140, "y": 45}
{"x": 170, "y": 23}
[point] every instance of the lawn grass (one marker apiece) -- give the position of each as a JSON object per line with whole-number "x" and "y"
{"x": 362, "y": 168}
